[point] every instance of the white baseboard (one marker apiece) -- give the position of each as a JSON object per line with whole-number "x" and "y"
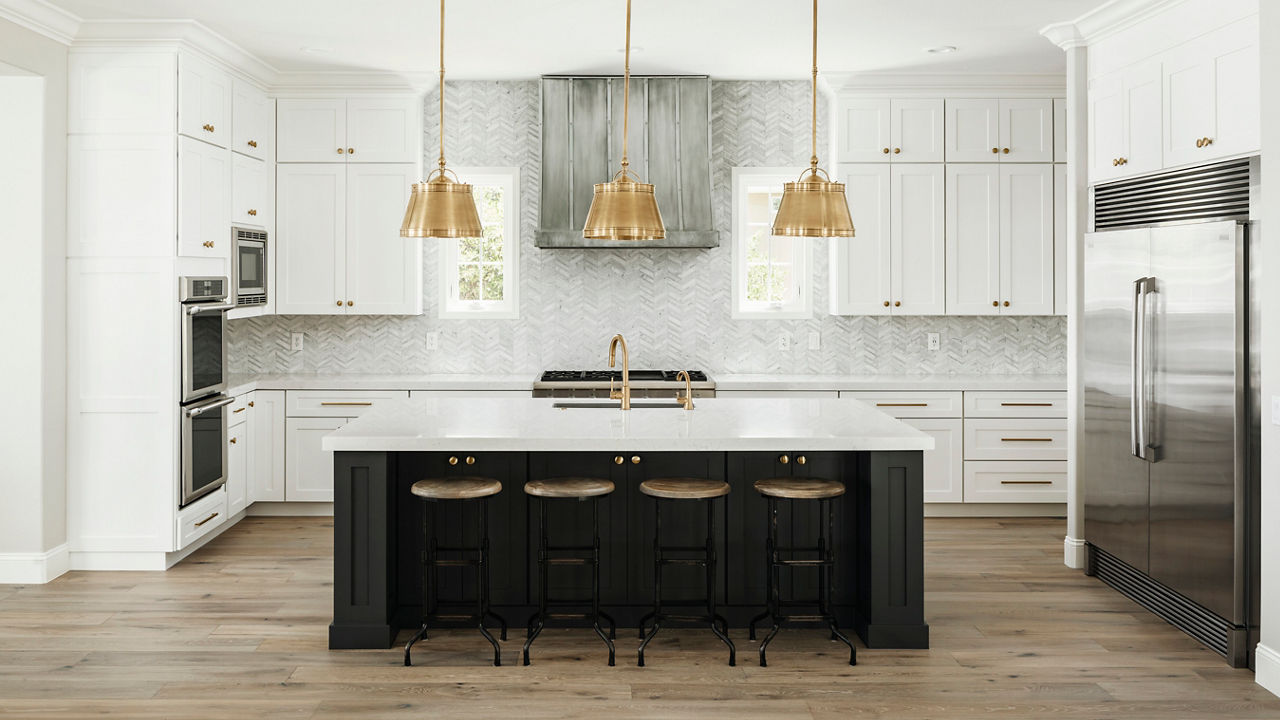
{"x": 291, "y": 509}
{"x": 1073, "y": 552}
{"x": 988, "y": 510}
{"x": 35, "y": 568}
{"x": 147, "y": 560}
{"x": 1268, "y": 669}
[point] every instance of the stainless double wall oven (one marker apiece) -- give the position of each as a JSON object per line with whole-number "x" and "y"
{"x": 203, "y": 311}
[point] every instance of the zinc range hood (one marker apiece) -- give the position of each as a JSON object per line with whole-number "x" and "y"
{"x": 670, "y": 147}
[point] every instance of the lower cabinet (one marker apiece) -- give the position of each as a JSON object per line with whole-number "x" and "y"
{"x": 238, "y": 471}
{"x": 266, "y": 446}
{"x": 309, "y": 468}
{"x": 1015, "y": 481}
{"x": 943, "y": 476}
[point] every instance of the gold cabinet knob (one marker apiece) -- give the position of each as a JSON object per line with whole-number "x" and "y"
{"x": 341, "y": 151}
{"x": 618, "y": 460}
{"x": 1124, "y": 161}
{"x": 995, "y": 151}
{"x": 886, "y": 303}
{"x": 253, "y": 212}
{"x": 1005, "y": 151}
{"x": 250, "y": 403}
{"x": 995, "y": 303}
{"x": 233, "y": 441}
{"x": 784, "y": 459}
{"x": 1006, "y": 303}
{"x": 897, "y": 151}
{"x": 1115, "y": 162}
{"x": 470, "y": 460}
{"x": 1199, "y": 142}
{"x": 339, "y": 303}
{"x": 635, "y": 459}
{"x": 253, "y": 143}
{"x": 453, "y": 460}
{"x": 801, "y": 460}
{"x": 897, "y": 303}
{"x": 351, "y": 151}
{"x": 886, "y": 151}
{"x": 1208, "y": 142}
{"x": 350, "y": 303}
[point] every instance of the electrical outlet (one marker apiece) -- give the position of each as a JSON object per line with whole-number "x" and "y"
{"x": 295, "y": 341}
{"x": 935, "y": 341}
{"x": 815, "y": 341}
{"x": 433, "y": 341}
{"x": 784, "y": 342}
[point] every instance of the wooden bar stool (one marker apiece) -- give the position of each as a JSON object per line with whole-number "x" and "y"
{"x": 676, "y": 489}
{"x": 580, "y": 489}
{"x": 800, "y": 489}
{"x": 454, "y": 489}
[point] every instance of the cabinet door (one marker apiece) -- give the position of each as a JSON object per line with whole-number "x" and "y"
{"x": 1188, "y": 103}
{"x": 864, "y": 130}
{"x": 267, "y": 446}
{"x": 1026, "y": 130}
{"x": 1142, "y": 120}
{"x": 973, "y": 131}
{"x": 250, "y": 192}
{"x": 384, "y": 270}
{"x": 251, "y": 121}
{"x": 1237, "y": 89}
{"x": 1060, "y": 239}
{"x": 384, "y": 130}
{"x": 311, "y": 131}
{"x": 944, "y": 464}
{"x": 1059, "y": 130}
{"x": 311, "y": 249}
{"x": 916, "y": 130}
{"x": 973, "y": 239}
{"x": 1106, "y": 127}
{"x": 919, "y": 240}
{"x": 204, "y": 101}
{"x": 860, "y": 264}
{"x": 204, "y": 200}
{"x": 237, "y": 467}
{"x": 308, "y": 468}
{"x": 1026, "y": 239}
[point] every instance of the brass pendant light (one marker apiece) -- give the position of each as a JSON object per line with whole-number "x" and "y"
{"x": 813, "y": 205}
{"x": 624, "y": 209}
{"x": 440, "y": 207}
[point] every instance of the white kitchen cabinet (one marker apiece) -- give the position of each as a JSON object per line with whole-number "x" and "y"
{"x": 251, "y": 196}
{"x": 1008, "y": 130}
{"x": 374, "y": 130}
{"x": 1060, "y": 239}
{"x": 973, "y": 239}
{"x": 251, "y": 121}
{"x": 267, "y": 446}
{"x": 972, "y": 131}
{"x": 474, "y": 394}
{"x": 308, "y": 467}
{"x": 1106, "y": 127}
{"x": 1211, "y": 96}
{"x": 912, "y": 404}
{"x": 879, "y": 130}
{"x": 865, "y": 136}
{"x": 794, "y": 394}
{"x": 201, "y": 518}
{"x": 1026, "y": 239}
{"x": 204, "y": 200}
{"x": 1125, "y": 122}
{"x": 861, "y": 265}
{"x": 944, "y": 464}
{"x": 1026, "y": 130}
{"x": 338, "y": 243}
{"x": 238, "y": 468}
{"x": 1009, "y": 481}
{"x": 1059, "y": 130}
{"x": 1015, "y": 438}
{"x": 338, "y": 403}
{"x": 204, "y": 101}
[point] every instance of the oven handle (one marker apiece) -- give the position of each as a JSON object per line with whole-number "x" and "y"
{"x": 202, "y": 409}
{"x": 198, "y": 308}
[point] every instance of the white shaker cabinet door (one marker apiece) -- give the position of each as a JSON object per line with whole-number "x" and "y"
{"x": 384, "y": 130}
{"x": 918, "y": 220}
{"x": 204, "y": 200}
{"x": 1026, "y": 239}
{"x": 1233, "y": 55}
{"x": 1188, "y": 103}
{"x": 860, "y": 267}
{"x": 1142, "y": 120}
{"x": 1060, "y": 239}
{"x": 204, "y": 101}
{"x": 308, "y": 467}
{"x": 973, "y": 131}
{"x": 973, "y": 239}
{"x": 267, "y": 443}
{"x": 944, "y": 464}
{"x": 864, "y": 130}
{"x": 250, "y": 192}
{"x": 311, "y": 131}
{"x": 1026, "y": 130}
{"x": 311, "y": 243}
{"x": 251, "y": 121}
{"x": 916, "y": 129}
{"x": 384, "y": 270}
{"x": 237, "y": 468}
{"x": 1106, "y": 127}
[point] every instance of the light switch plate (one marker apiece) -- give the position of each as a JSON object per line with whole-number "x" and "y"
{"x": 1275, "y": 409}
{"x": 935, "y": 341}
{"x": 295, "y": 341}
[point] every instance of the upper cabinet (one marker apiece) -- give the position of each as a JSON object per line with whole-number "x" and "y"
{"x": 374, "y": 130}
{"x": 204, "y": 101}
{"x": 1124, "y": 123}
{"x": 879, "y": 130}
{"x": 1011, "y": 130}
{"x": 251, "y": 121}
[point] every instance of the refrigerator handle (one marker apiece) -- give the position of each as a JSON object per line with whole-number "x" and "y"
{"x": 1137, "y": 371}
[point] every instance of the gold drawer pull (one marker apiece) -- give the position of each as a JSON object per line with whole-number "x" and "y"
{"x": 206, "y": 519}
{"x": 1026, "y": 439}
{"x": 237, "y": 410}
{"x": 1026, "y": 482}
{"x": 253, "y": 143}
{"x": 346, "y": 403}
{"x": 1026, "y": 404}
{"x": 902, "y": 404}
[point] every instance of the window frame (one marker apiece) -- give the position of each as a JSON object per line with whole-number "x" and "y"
{"x": 801, "y": 308}
{"x": 508, "y": 308}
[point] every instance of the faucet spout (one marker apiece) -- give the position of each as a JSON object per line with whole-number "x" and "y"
{"x": 625, "y": 394}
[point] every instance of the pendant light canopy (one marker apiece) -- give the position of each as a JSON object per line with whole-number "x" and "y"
{"x": 813, "y": 205}
{"x": 624, "y": 209}
{"x": 440, "y": 207}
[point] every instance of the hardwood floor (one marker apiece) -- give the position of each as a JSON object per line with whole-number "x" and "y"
{"x": 240, "y": 630}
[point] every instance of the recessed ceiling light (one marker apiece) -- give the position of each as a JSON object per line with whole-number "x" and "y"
{"x": 941, "y": 49}
{"x": 316, "y": 50}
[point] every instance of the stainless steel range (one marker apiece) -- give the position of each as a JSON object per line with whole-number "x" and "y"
{"x": 644, "y": 383}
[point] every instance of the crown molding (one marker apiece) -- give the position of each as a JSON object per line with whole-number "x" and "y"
{"x": 40, "y": 17}
{"x": 327, "y": 82}
{"x": 1104, "y": 21}
{"x": 1065, "y": 35}
{"x": 947, "y": 84}
{"x": 188, "y": 33}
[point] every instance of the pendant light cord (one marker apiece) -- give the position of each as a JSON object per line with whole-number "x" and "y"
{"x": 442, "y": 85}
{"x": 626, "y": 93}
{"x": 813, "y": 156}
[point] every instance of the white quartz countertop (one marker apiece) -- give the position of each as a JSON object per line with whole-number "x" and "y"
{"x": 237, "y": 384}
{"x": 890, "y": 382}
{"x": 534, "y": 425}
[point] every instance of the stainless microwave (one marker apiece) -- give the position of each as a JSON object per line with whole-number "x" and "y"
{"x": 249, "y": 266}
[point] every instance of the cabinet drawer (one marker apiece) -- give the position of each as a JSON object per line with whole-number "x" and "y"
{"x": 1015, "y": 482}
{"x": 202, "y": 517}
{"x": 1044, "y": 404}
{"x": 797, "y": 394}
{"x": 238, "y": 411}
{"x": 336, "y": 403}
{"x": 471, "y": 394}
{"x": 1029, "y": 439}
{"x": 910, "y": 404}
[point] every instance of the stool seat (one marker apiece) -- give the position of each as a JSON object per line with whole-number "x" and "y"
{"x": 456, "y": 488}
{"x": 569, "y": 487}
{"x": 800, "y": 488}
{"x": 684, "y": 488}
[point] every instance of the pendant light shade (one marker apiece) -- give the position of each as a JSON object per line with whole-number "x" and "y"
{"x": 624, "y": 209}
{"x": 441, "y": 207}
{"x": 813, "y": 205}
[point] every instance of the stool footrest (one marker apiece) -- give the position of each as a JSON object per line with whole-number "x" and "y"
{"x": 685, "y": 618}
{"x": 569, "y": 602}
{"x": 802, "y": 563}
{"x": 569, "y": 561}
{"x": 570, "y": 548}
{"x": 457, "y": 563}
{"x": 458, "y": 549}
{"x": 682, "y": 561}
{"x": 472, "y": 617}
{"x": 684, "y": 548}
{"x": 571, "y": 616}
{"x": 802, "y": 618}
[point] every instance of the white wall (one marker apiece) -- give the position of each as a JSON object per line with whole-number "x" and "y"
{"x": 33, "y": 140}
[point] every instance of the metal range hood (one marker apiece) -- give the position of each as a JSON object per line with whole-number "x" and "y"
{"x": 670, "y": 147}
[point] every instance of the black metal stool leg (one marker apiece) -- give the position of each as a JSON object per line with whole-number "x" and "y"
{"x": 482, "y": 584}
{"x": 829, "y": 568}
{"x": 425, "y": 556}
{"x": 595, "y": 578}
{"x": 774, "y": 601}
{"x": 768, "y": 575}
{"x": 535, "y": 628}
{"x": 657, "y": 585}
{"x": 712, "y": 616}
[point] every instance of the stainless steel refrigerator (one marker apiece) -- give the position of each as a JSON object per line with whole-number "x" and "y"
{"x": 1171, "y": 426}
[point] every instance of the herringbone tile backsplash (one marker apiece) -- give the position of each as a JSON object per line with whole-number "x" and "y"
{"x": 672, "y": 305}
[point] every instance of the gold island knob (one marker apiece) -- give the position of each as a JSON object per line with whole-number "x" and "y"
{"x": 801, "y": 460}
{"x": 784, "y": 459}
{"x": 635, "y": 459}
{"x": 453, "y": 460}
{"x": 618, "y": 460}
{"x": 471, "y": 460}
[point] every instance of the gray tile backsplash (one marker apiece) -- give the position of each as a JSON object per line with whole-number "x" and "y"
{"x": 672, "y": 305}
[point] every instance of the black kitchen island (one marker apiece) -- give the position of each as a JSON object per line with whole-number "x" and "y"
{"x": 378, "y": 532}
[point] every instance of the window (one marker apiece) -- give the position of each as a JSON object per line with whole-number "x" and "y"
{"x": 480, "y": 276}
{"x": 771, "y": 275}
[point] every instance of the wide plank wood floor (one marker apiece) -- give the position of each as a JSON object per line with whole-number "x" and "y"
{"x": 240, "y": 630}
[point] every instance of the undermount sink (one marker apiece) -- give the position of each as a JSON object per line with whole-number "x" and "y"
{"x": 615, "y": 405}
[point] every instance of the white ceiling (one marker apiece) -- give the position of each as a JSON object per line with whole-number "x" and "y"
{"x": 500, "y": 39}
